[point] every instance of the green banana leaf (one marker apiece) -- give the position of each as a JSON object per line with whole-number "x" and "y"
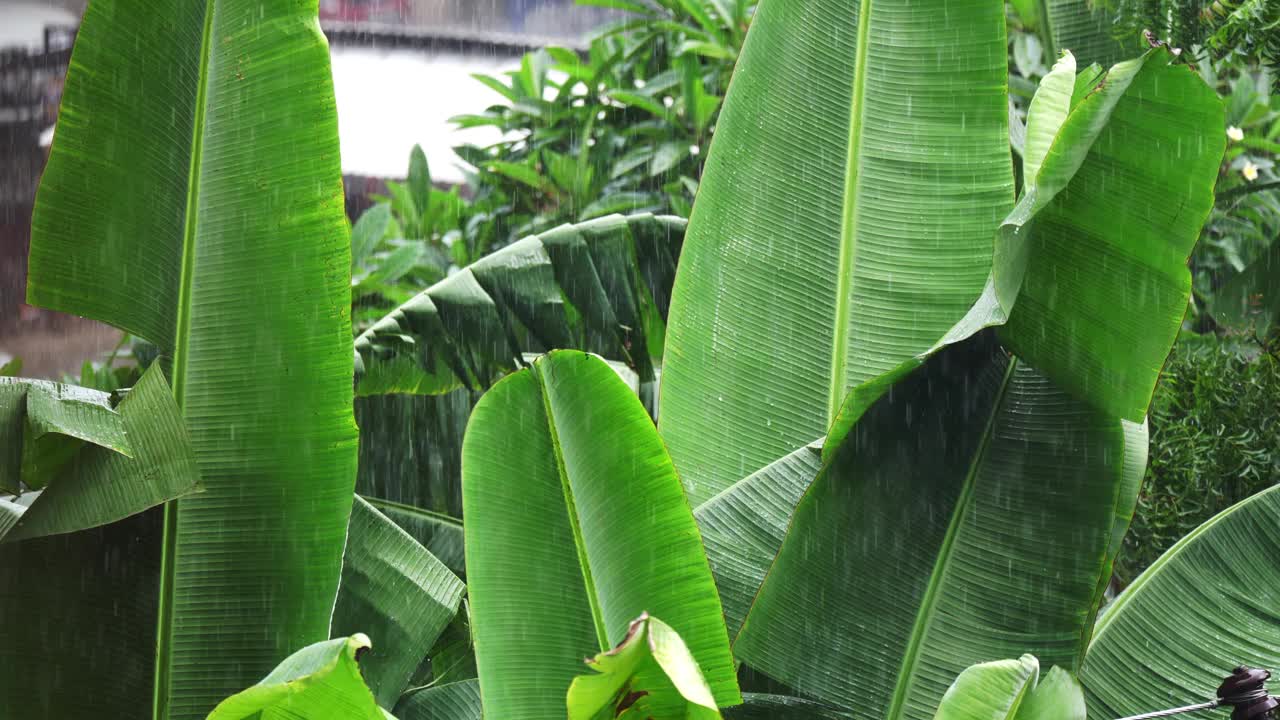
{"x": 1206, "y": 606}
{"x": 844, "y": 221}
{"x": 744, "y": 525}
{"x": 885, "y": 587}
{"x": 601, "y": 285}
{"x": 411, "y": 465}
{"x": 451, "y": 701}
{"x": 1012, "y": 690}
{"x": 1091, "y": 266}
{"x": 97, "y": 484}
{"x": 1049, "y": 109}
{"x": 1085, "y": 29}
{"x": 185, "y": 203}
{"x": 319, "y": 682}
{"x": 650, "y": 674}
{"x": 394, "y": 590}
{"x": 576, "y": 523}
{"x": 78, "y": 618}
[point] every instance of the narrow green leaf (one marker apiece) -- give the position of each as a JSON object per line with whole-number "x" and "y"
{"x": 863, "y": 244}
{"x": 13, "y": 368}
{"x": 368, "y": 231}
{"x": 319, "y": 682}
{"x": 1048, "y": 111}
{"x": 395, "y": 591}
{"x": 1206, "y": 606}
{"x": 420, "y": 180}
{"x": 599, "y": 533}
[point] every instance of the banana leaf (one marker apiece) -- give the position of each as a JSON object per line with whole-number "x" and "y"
{"x": 884, "y": 588}
{"x": 1206, "y": 606}
{"x": 78, "y": 610}
{"x": 394, "y": 590}
{"x": 650, "y": 674}
{"x": 1084, "y": 28}
{"x": 319, "y": 682}
{"x": 602, "y": 286}
{"x": 576, "y": 523}
{"x": 1091, "y": 266}
{"x": 843, "y": 225}
{"x": 451, "y": 701}
{"x": 186, "y": 203}
{"x": 1012, "y": 690}
{"x": 94, "y": 484}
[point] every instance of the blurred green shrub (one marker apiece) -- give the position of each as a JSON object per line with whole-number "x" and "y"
{"x": 1215, "y": 440}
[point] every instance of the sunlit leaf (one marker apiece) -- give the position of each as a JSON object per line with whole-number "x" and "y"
{"x": 650, "y": 674}
{"x": 319, "y": 682}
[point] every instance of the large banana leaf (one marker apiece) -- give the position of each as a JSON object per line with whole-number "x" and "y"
{"x": 96, "y": 485}
{"x": 396, "y": 592}
{"x": 1210, "y": 603}
{"x": 193, "y": 197}
{"x": 843, "y": 225}
{"x": 1092, "y": 263}
{"x": 603, "y": 286}
{"x": 885, "y": 589}
{"x": 576, "y": 524}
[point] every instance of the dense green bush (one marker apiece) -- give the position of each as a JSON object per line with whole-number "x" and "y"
{"x": 1215, "y": 440}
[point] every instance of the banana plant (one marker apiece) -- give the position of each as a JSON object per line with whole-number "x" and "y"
{"x": 603, "y": 285}
{"x": 186, "y": 204}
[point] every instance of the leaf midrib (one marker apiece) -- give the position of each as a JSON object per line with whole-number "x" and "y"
{"x": 848, "y": 236}
{"x": 929, "y": 602}
{"x": 593, "y": 599}
{"x": 182, "y": 322}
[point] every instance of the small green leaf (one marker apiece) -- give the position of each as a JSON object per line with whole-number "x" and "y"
{"x": 651, "y": 674}
{"x": 319, "y": 682}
